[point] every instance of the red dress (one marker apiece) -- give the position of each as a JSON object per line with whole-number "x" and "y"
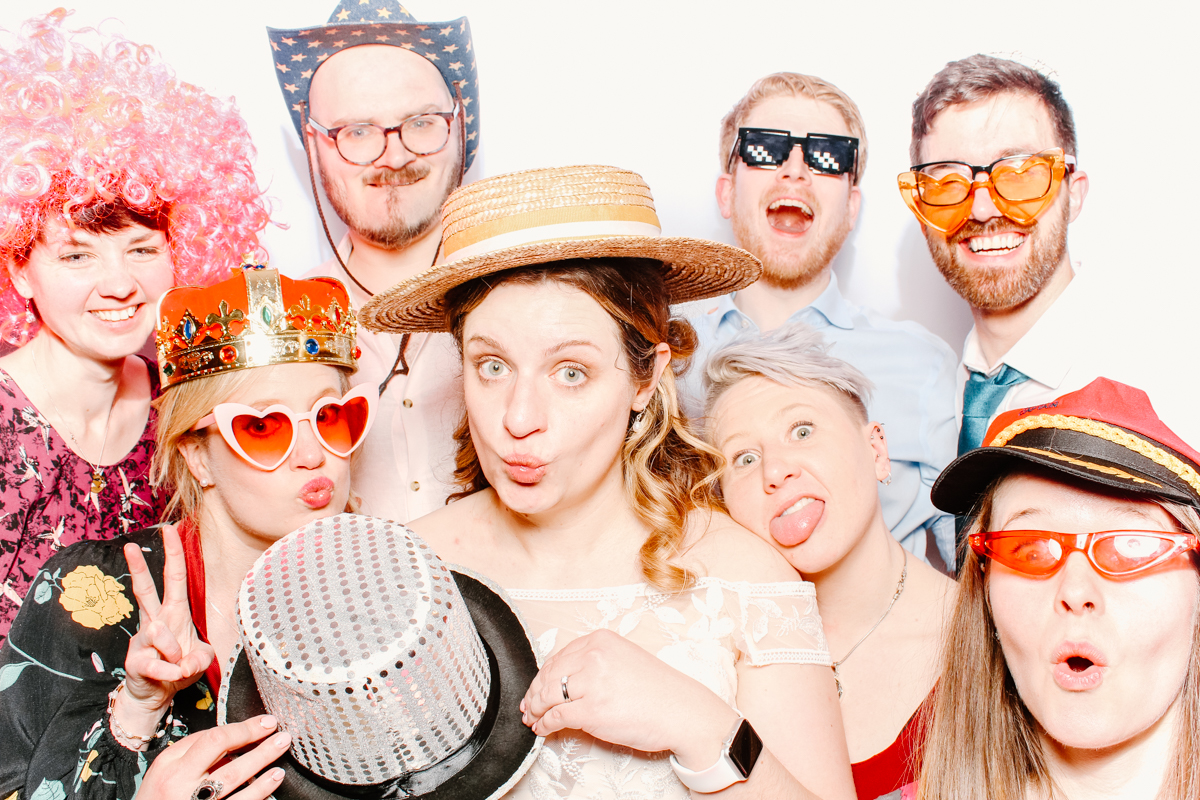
{"x": 896, "y": 766}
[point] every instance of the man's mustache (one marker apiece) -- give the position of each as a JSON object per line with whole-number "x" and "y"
{"x": 972, "y": 228}
{"x": 405, "y": 176}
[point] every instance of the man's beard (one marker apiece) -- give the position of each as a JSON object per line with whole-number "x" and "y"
{"x": 1000, "y": 290}
{"x": 787, "y": 270}
{"x": 397, "y": 232}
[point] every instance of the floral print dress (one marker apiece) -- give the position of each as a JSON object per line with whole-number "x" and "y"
{"x": 703, "y": 632}
{"x": 49, "y": 497}
{"x": 65, "y": 653}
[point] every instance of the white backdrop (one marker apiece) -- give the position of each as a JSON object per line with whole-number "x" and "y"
{"x": 643, "y": 84}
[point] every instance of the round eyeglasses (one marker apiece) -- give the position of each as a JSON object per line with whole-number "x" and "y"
{"x": 362, "y": 143}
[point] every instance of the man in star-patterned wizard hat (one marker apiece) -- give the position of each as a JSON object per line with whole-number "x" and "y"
{"x": 387, "y": 108}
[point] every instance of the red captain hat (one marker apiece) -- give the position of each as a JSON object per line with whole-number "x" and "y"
{"x": 1106, "y": 433}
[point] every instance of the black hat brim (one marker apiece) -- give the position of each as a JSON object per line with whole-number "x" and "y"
{"x": 501, "y": 750}
{"x": 962, "y": 484}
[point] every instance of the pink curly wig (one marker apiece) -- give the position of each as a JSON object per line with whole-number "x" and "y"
{"x": 81, "y": 128}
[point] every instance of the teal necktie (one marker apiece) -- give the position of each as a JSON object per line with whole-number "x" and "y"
{"x": 981, "y": 398}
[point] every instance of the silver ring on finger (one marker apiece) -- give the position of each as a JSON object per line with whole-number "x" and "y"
{"x": 209, "y": 789}
{"x": 566, "y": 695}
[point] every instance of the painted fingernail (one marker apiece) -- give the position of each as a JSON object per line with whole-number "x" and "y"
{"x": 522, "y": 705}
{"x": 268, "y": 722}
{"x": 282, "y": 739}
{"x": 276, "y": 774}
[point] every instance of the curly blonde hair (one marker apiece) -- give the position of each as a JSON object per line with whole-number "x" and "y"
{"x": 668, "y": 471}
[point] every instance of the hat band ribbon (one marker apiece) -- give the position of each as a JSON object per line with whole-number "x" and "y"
{"x": 548, "y": 225}
{"x": 1108, "y": 433}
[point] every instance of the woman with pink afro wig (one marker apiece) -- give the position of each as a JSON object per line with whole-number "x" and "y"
{"x": 117, "y": 181}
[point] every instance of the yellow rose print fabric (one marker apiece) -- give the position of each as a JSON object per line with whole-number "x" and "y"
{"x": 94, "y": 599}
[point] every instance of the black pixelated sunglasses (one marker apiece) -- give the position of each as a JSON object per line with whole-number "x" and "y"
{"x": 825, "y": 153}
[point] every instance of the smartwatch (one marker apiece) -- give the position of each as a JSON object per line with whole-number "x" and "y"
{"x": 738, "y": 756}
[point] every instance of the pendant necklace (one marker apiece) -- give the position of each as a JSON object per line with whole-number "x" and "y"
{"x": 899, "y": 591}
{"x": 98, "y": 479}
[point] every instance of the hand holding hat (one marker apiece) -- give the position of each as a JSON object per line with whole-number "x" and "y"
{"x": 197, "y": 766}
{"x": 394, "y": 675}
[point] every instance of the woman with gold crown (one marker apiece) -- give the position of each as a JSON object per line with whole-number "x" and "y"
{"x": 680, "y": 651}
{"x": 116, "y": 181}
{"x": 124, "y": 643}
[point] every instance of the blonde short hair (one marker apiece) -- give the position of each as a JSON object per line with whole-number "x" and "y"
{"x": 793, "y": 84}
{"x": 791, "y": 355}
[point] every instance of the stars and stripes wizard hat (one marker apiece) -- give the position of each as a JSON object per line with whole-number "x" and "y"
{"x": 1106, "y": 433}
{"x": 298, "y": 53}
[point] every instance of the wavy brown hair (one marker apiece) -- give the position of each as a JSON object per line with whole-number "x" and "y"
{"x": 982, "y": 742}
{"x": 668, "y": 471}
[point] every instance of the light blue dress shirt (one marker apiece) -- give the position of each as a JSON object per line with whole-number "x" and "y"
{"x": 914, "y": 376}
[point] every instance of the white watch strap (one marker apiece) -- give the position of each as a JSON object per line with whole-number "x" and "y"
{"x": 720, "y": 775}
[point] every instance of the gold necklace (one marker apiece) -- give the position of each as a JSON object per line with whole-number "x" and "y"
{"x": 837, "y": 678}
{"x": 98, "y": 480}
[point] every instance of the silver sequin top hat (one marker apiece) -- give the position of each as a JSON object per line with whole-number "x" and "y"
{"x": 366, "y": 648}
{"x": 297, "y": 53}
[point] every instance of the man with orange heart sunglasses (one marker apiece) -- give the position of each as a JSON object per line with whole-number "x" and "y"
{"x": 994, "y": 185}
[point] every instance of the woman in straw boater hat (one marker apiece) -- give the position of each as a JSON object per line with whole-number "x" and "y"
{"x": 804, "y": 466}
{"x": 116, "y": 181}
{"x": 1072, "y": 663}
{"x": 679, "y": 650}
{"x": 257, "y": 425}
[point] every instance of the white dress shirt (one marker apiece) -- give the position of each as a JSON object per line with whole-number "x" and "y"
{"x": 1087, "y": 334}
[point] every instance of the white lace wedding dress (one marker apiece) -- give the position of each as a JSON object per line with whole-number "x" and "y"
{"x": 704, "y": 632}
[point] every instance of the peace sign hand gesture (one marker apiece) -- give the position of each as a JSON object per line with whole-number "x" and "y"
{"x": 166, "y": 654}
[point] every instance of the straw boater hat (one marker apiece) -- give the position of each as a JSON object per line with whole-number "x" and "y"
{"x": 544, "y": 215}
{"x": 298, "y": 53}
{"x": 395, "y": 676}
{"x": 1106, "y": 433}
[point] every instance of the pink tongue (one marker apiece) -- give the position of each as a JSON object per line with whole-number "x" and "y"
{"x": 796, "y": 527}
{"x": 789, "y": 219}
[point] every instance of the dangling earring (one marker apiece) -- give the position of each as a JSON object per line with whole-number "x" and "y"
{"x": 29, "y": 315}
{"x": 639, "y": 422}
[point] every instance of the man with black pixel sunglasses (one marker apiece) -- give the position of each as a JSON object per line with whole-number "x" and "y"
{"x": 792, "y": 153}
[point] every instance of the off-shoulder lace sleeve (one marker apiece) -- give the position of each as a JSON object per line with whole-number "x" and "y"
{"x": 777, "y": 623}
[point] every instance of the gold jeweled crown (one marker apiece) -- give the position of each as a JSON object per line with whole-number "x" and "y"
{"x": 253, "y": 319}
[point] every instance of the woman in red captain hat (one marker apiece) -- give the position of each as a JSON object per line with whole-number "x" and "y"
{"x": 116, "y": 181}
{"x": 123, "y": 644}
{"x": 1072, "y": 663}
